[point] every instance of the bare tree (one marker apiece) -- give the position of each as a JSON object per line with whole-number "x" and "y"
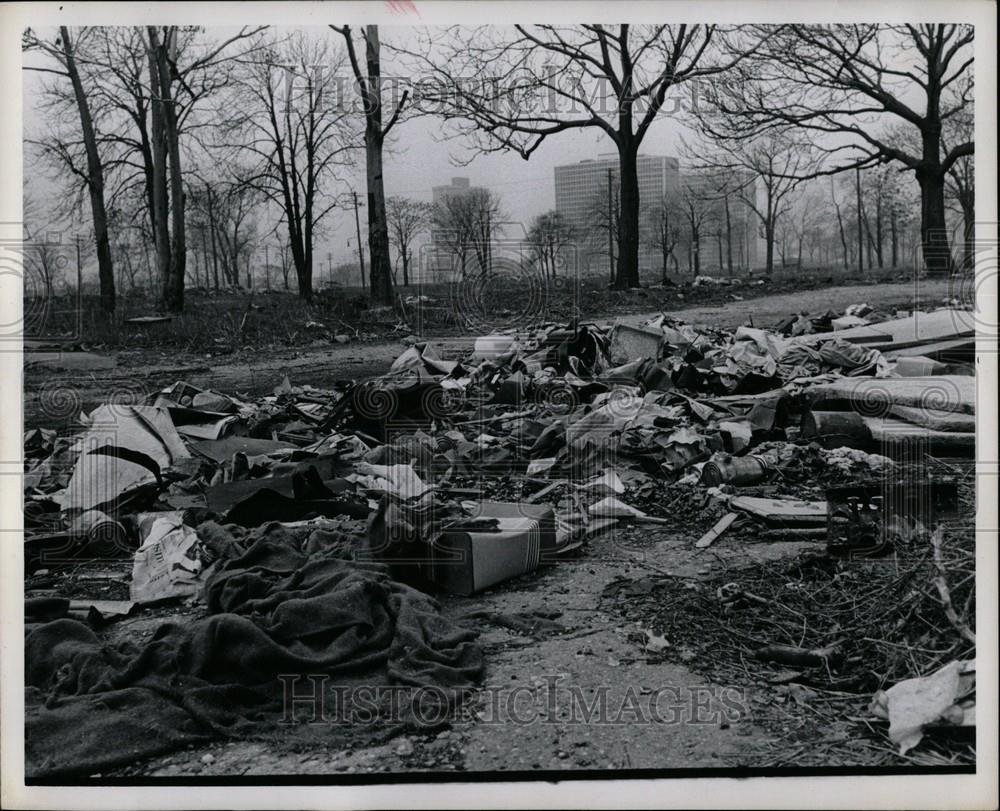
{"x": 148, "y": 140}
{"x": 842, "y": 233}
{"x": 604, "y": 216}
{"x": 369, "y": 83}
{"x": 466, "y": 224}
{"x": 663, "y": 231}
{"x": 286, "y": 121}
{"x": 960, "y": 183}
{"x": 407, "y": 219}
{"x": 548, "y": 237}
{"x": 64, "y": 51}
{"x": 777, "y": 160}
{"x": 850, "y": 84}
{"x": 697, "y": 209}
{"x": 285, "y": 263}
{"x": 510, "y": 88}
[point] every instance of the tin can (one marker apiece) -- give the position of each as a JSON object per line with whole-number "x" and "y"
{"x": 740, "y": 471}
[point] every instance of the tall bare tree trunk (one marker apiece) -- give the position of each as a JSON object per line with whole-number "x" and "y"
{"x": 967, "y": 200}
{"x": 933, "y": 225}
{"x": 380, "y": 270}
{"x": 729, "y": 238}
{"x": 95, "y": 179}
{"x": 173, "y": 287}
{"x": 861, "y": 229}
{"x": 628, "y": 227}
{"x": 157, "y": 135}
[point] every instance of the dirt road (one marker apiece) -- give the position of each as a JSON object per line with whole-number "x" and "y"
{"x": 54, "y": 398}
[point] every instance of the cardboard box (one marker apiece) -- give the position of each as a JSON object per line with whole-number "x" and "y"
{"x": 467, "y": 561}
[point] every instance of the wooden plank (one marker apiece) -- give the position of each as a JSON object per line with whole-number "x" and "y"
{"x": 935, "y": 420}
{"x": 897, "y": 438}
{"x": 873, "y": 395}
{"x": 713, "y": 534}
{"x": 913, "y": 329}
{"x": 782, "y": 512}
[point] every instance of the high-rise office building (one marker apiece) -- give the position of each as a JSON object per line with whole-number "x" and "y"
{"x": 582, "y": 187}
{"x": 582, "y": 200}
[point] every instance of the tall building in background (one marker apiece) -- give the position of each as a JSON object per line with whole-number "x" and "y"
{"x": 582, "y": 200}
{"x": 581, "y": 192}
{"x": 458, "y": 186}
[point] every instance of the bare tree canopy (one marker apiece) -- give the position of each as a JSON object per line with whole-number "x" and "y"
{"x": 407, "y": 219}
{"x": 847, "y": 86}
{"x": 511, "y": 88}
{"x": 285, "y": 121}
{"x": 662, "y": 231}
{"x": 465, "y": 226}
{"x": 549, "y": 236}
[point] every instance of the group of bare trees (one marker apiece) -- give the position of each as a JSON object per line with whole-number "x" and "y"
{"x": 186, "y": 137}
{"x": 464, "y": 227}
{"x": 407, "y": 220}
{"x": 278, "y": 127}
{"x": 860, "y": 95}
{"x": 548, "y": 237}
{"x": 135, "y": 91}
{"x": 786, "y": 102}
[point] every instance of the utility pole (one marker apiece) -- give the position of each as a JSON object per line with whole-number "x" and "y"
{"x": 267, "y": 270}
{"x": 357, "y": 225}
{"x": 861, "y": 233}
{"x": 329, "y": 268}
{"x": 79, "y": 290}
{"x": 611, "y": 241}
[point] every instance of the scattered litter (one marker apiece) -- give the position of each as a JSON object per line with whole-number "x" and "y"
{"x": 167, "y": 564}
{"x": 946, "y": 697}
{"x": 459, "y": 475}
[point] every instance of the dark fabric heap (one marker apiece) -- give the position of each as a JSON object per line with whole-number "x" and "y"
{"x": 282, "y": 605}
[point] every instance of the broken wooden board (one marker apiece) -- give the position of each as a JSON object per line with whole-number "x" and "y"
{"x": 782, "y": 512}
{"x": 713, "y": 534}
{"x": 935, "y": 420}
{"x": 912, "y": 330}
{"x": 877, "y": 395}
{"x": 896, "y": 438}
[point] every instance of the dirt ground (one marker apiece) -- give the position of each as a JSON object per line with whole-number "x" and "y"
{"x": 701, "y": 725}
{"x": 678, "y": 721}
{"x": 54, "y": 397}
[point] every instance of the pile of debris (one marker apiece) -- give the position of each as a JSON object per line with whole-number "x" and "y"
{"x": 309, "y": 526}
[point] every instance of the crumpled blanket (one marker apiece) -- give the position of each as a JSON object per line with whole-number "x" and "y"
{"x": 286, "y": 605}
{"x": 836, "y": 354}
